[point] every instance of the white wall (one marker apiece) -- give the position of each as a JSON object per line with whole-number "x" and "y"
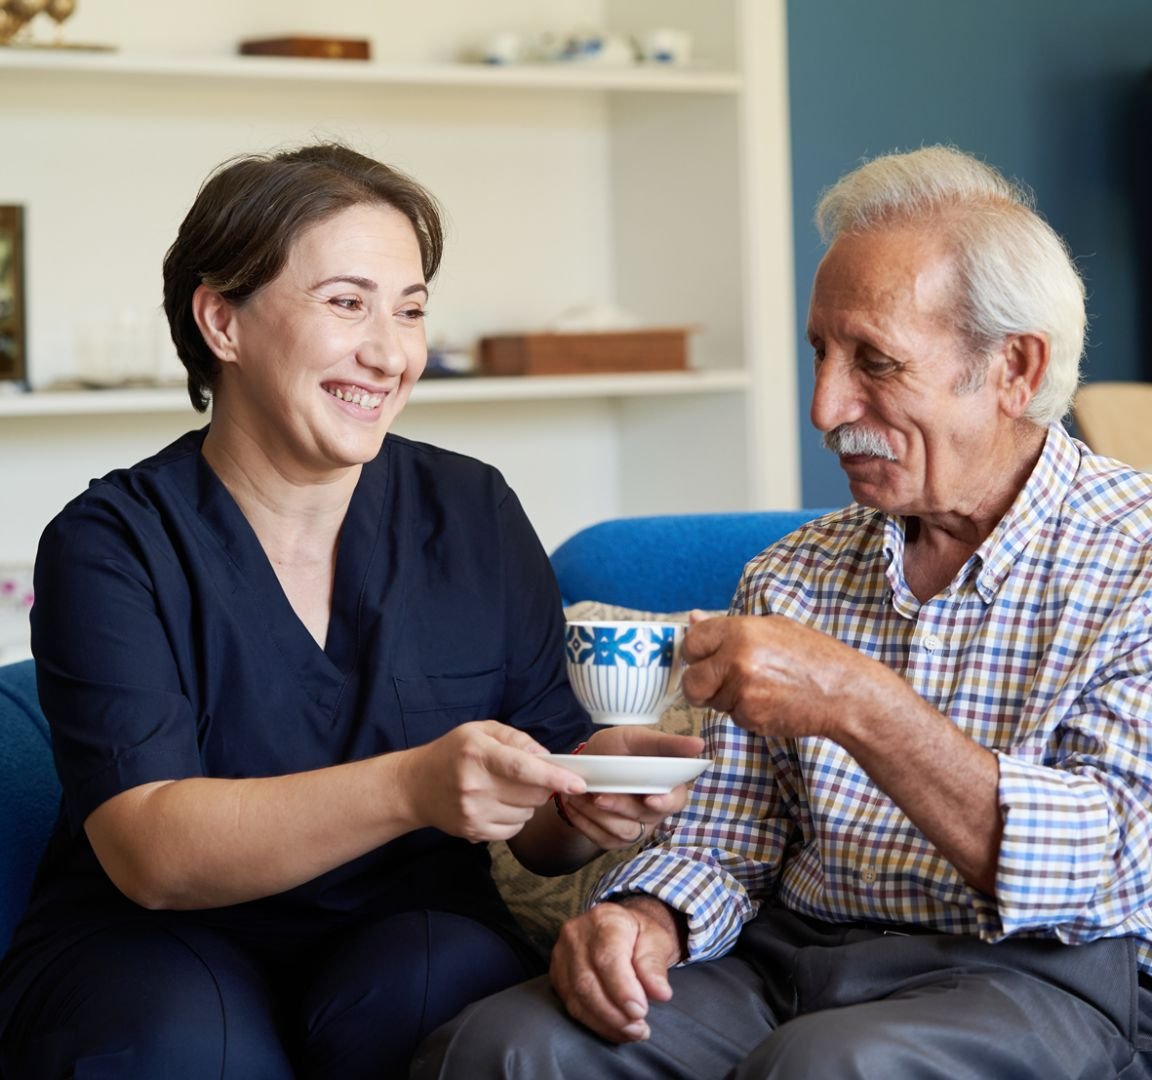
{"x": 105, "y": 185}
{"x": 538, "y": 219}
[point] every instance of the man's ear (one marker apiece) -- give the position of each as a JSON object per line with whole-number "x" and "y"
{"x": 215, "y": 317}
{"x": 1025, "y": 359}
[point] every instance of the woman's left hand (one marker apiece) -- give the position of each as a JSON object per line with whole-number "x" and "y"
{"x": 620, "y": 821}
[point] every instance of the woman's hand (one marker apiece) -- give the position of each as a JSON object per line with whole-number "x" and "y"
{"x": 482, "y": 781}
{"x": 619, "y": 821}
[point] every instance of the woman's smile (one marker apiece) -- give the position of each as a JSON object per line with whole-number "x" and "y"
{"x": 360, "y": 398}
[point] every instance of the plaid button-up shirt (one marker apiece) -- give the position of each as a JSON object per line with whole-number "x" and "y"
{"x": 1040, "y": 649}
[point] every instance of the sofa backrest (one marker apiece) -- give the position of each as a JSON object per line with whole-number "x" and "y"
{"x": 29, "y": 790}
{"x": 670, "y": 562}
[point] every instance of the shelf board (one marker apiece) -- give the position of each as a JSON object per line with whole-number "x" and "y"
{"x": 572, "y": 77}
{"x": 95, "y": 402}
{"x": 560, "y": 387}
{"x": 431, "y": 392}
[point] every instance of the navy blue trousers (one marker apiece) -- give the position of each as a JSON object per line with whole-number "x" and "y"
{"x": 179, "y": 1001}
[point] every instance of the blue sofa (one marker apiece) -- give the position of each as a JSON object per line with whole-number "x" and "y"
{"x": 670, "y": 563}
{"x": 29, "y": 791}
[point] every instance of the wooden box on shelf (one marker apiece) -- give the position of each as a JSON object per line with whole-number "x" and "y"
{"x": 599, "y": 353}
{"x": 308, "y": 47}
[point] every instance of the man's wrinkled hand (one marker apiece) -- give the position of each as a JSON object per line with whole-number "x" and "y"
{"x": 775, "y": 676}
{"x": 611, "y": 961}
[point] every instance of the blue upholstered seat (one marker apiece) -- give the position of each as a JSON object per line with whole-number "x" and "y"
{"x": 670, "y": 563}
{"x": 29, "y": 791}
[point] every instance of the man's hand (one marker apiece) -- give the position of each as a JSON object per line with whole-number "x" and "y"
{"x": 614, "y": 821}
{"x": 609, "y": 962}
{"x": 482, "y": 781}
{"x": 775, "y": 676}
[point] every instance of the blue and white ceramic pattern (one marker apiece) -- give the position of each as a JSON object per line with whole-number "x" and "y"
{"x": 624, "y": 672}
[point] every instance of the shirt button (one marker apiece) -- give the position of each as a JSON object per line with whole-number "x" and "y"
{"x": 867, "y": 875}
{"x": 932, "y": 643}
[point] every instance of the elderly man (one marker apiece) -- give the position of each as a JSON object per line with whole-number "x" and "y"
{"x": 925, "y": 847}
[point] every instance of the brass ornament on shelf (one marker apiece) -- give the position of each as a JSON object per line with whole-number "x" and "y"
{"x": 60, "y": 11}
{"x": 15, "y": 15}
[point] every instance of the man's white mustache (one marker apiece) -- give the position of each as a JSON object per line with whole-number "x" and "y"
{"x": 848, "y": 441}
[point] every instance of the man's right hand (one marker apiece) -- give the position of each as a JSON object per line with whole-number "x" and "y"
{"x": 609, "y": 962}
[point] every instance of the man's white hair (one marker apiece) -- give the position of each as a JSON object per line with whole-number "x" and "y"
{"x": 1016, "y": 275}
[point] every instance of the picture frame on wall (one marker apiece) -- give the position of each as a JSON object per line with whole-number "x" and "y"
{"x": 13, "y": 338}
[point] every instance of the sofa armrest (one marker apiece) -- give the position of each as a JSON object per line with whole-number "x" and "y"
{"x": 29, "y": 790}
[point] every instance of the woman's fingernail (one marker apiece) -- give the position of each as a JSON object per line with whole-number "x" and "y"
{"x": 637, "y": 1030}
{"x": 635, "y": 1010}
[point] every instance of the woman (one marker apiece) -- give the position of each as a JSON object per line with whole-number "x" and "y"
{"x": 295, "y": 673}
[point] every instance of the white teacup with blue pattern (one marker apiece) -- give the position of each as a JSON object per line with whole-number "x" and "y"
{"x": 624, "y": 672}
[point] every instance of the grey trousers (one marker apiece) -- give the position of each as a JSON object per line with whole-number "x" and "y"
{"x": 797, "y": 998}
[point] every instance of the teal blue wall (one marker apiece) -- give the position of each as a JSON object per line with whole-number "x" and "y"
{"x": 1049, "y": 91}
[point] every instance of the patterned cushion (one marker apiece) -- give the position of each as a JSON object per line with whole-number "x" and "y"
{"x": 542, "y": 904}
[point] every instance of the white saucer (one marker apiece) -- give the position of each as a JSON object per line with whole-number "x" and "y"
{"x": 628, "y": 775}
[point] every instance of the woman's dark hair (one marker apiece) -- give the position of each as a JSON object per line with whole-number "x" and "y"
{"x": 247, "y": 215}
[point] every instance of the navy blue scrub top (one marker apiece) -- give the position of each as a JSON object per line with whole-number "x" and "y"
{"x": 165, "y": 648}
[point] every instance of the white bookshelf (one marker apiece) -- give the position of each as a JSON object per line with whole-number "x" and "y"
{"x": 58, "y": 64}
{"x": 431, "y": 392}
{"x": 664, "y": 191}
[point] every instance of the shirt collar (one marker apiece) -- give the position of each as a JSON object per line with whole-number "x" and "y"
{"x": 1037, "y": 501}
{"x": 894, "y": 567}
